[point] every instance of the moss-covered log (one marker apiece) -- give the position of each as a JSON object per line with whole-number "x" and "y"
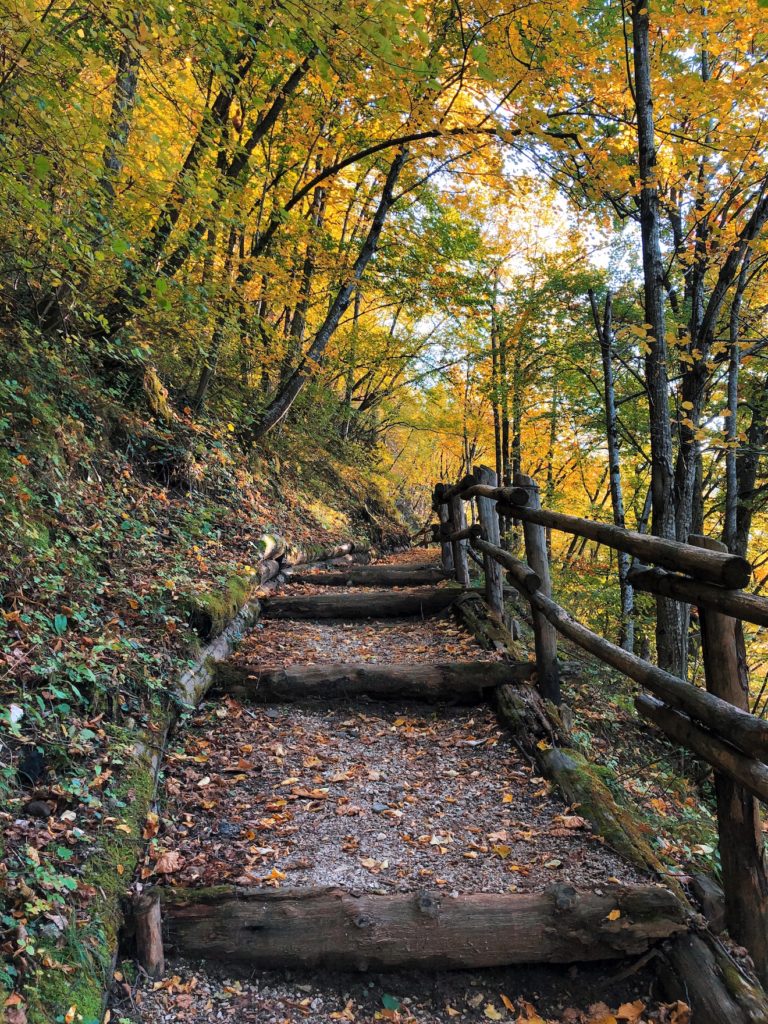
{"x": 475, "y": 615}
{"x": 210, "y": 611}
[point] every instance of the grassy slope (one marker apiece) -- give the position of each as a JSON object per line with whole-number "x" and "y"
{"x": 109, "y": 521}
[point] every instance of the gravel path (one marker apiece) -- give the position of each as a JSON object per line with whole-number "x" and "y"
{"x": 371, "y": 797}
{"x": 377, "y": 800}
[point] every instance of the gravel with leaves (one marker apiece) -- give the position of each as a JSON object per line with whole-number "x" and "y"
{"x": 517, "y": 995}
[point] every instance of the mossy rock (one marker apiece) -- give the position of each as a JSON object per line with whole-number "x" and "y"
{"x": 211, "y": 611}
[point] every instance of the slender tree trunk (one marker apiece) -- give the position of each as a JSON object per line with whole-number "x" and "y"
{"x": 731, "y": 423}
{"x": 281, "y": 404}
{"x": 748, "y": 465}
{"x": 496, "y": 386}
{"x": 219, "y": 331}
{"x": 120, "y": 118}
{"x": 214, "y": 124}
{"x": 298, "y": 322}
{"x": 349, "y": 382}
{"x": 516, "y": 455}
{"x": 671, "y": 645}
{"x": 604, "y": 332}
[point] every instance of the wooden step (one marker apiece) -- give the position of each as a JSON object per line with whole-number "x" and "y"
{"x": 309, "y": 928}
{"x": 374, "y": 576}
{"x": 457, "y": 681}
{"x": 378, "y": 604}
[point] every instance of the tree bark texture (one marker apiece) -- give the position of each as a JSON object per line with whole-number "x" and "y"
{"x": 464, "y": 682}
{"x": 429, "y": 930}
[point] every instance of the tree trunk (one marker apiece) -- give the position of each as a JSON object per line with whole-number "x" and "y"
{"x": 671, "y": 645}
{"x": 279, "y": 407}
{"x": 742, "y": 853}
{"x": 604, "y": 330}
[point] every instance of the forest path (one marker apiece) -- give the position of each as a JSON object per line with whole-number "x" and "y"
{"x": 307, "y": 808}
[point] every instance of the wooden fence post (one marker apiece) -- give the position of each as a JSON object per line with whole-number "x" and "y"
{"x": 742, "y": 853}
{"x": 459, "y": 522}
{"x": 545, "y": 633}
{"x": 489, "y": 520}
{"x": 149, "y": 933}
{"x": 446, "y": 551}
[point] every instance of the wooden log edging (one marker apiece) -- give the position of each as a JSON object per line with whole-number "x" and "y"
{"x": 652, "y": 580}
{"x": 721, "y": 568}
{"x": 384, "y": 577}
{"x": 453, "y": 681}
{"x": 311, "y": 928}
{"x": 362, "y": 605}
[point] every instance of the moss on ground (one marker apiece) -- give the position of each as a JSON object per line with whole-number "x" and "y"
{"x": 211, "y": 611}
{"x": 89, "y": 946}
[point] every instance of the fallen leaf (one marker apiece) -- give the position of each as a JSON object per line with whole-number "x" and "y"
{"x": 168, "y": 862}
{"x": 631, "y": 1011}
{"x": 614, "y": 915}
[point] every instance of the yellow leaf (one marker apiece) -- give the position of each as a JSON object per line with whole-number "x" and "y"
{"x": 502, "y": 851}
{"x": 542, "y": 745}
{"x": 614, "y": 915}
{"x": 491, "y": 1012}
{"x": 507, "y": 1002}
{"x": 507, "y": 798}
{"x": 231, "y": 428}
{"x": 123, "y": 828}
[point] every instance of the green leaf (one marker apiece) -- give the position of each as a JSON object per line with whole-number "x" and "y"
{"x": 390, "y": 1002}
{"x": 41, "y": 166}
{"x": 60, "y": 623}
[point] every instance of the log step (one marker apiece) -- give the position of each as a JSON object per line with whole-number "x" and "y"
{"x": 374, "y": 576}
{"x": 313, "y": 928}
{"x": 460, "y": 681}
{"x": 381, "y": 604}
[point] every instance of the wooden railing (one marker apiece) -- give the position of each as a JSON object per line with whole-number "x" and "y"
{"x": 714, "y": 722}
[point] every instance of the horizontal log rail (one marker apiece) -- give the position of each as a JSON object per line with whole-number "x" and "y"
{"x": 718, "y": 567}
{"x": 747, "y": 607}
{"x": 526, "y": 578}
{"x": 469, "y": 488}
{"x": 745, "y": 731}
{"x": 748, "y": 772}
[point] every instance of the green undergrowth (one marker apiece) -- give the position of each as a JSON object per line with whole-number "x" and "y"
{"x": 668, "y": 791}
{"x": 122, "y": 529}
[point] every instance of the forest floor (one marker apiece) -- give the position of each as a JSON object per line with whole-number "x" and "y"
{"x": 111, "y": 526}
{"x": 371, "y": 798}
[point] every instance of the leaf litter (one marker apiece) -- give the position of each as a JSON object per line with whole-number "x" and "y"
{"x": 380, "y": 798}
